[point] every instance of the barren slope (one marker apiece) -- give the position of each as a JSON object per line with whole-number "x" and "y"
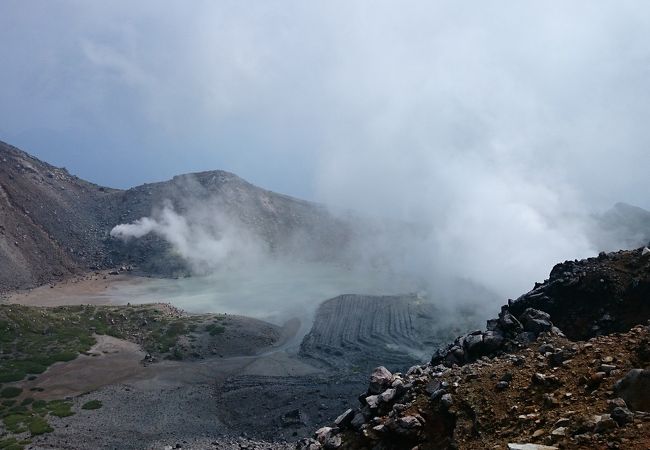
{"x": 53, "y": 224}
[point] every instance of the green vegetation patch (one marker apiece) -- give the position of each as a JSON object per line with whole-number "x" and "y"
{"x": 34, "y": 338}
{"x": 215, "y": 329}
{"x": 10, "y": 444}
{"x": 10, "y": 392}
{"x": 59, "y": 408}
{"x": 31, "y": 416}
{"x": 40, "y": 405}
{"x": 16, "y": 423}
{"x": 92, "y": 404}
{"x": 39, "y": 425}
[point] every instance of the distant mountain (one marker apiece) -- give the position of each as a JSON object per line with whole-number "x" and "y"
{"x": 285, "y": 224}
{"x": 622, "y": 226}
{"x": 53, "y": 224}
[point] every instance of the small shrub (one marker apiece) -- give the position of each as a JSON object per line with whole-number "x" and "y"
{"x": 60, "y": 408}
{"x": 38, "y": 425}
{"x": 92, "y": 404}
{"x": 64, "y": 356}
{"x": 10, "y": 444}
{"x": 9, "y": 375}
{"x": 14, "y": 423}
{"x": 177, "y": 354}
{"x": 10, "y": 392}
{"x": 215, "y": 329}
{"x": 39, "y": 405}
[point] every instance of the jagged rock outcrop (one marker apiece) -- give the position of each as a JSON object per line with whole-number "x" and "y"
{"x": 530, "y": 399}
{"x": 504, "y": 334}
{"x": 584, "y": 298}
{"x": 594, "y": 296}
{"x": 634, "y": 388}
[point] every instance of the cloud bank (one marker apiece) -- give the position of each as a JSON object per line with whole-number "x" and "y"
{"x": 500, "y": 126}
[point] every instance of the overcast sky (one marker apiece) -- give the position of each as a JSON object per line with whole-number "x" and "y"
{"x": 502, "y": 125}
{"x": 350, "y": 102}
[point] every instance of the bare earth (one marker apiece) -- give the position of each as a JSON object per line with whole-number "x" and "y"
{"x": 109, "y": 361}
{"x": 91, "y": 289}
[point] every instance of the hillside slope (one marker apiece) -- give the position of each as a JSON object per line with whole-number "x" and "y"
{"x": 53, "y": 224}
{"x": 285, "y": 224}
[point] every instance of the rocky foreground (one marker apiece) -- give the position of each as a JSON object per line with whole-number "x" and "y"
{"x": 523, "y": 383}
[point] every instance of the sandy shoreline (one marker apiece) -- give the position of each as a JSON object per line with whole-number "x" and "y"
{"x": 90, "y": 289}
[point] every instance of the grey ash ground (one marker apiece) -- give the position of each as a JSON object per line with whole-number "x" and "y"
{"x": 227, "y": 375}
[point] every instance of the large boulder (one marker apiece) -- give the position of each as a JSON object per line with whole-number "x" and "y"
{"x": 536, "y": 321}
{"x": 634, "y": 388}
{"x": 380, "y": 380}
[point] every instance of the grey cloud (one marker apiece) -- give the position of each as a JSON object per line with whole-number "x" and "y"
{"x": 501, "y": 126}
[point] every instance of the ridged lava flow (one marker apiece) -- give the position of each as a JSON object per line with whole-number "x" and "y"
{"x": 363, "y": 330}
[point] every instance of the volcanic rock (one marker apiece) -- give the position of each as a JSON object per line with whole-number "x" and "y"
{"x": 634, "y": 388}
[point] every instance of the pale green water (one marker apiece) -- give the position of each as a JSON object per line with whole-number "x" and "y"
{"x": 273, "y": 292}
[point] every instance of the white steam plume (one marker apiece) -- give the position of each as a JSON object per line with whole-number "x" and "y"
{"x": 206, "y": 239}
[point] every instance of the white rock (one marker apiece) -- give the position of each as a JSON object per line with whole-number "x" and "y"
{"x": 345, "y": 417}
{"x": 530, "y": 447}
{"x": 560, "y": 431}
{"x": 322, "y": 434}
{"x": 379, "y": 380}
{"x": 388, "y": 395}
{"x": 372, "y": 401}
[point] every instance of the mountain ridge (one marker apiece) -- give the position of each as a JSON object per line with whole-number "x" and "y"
{"x": 55, "y": 224}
